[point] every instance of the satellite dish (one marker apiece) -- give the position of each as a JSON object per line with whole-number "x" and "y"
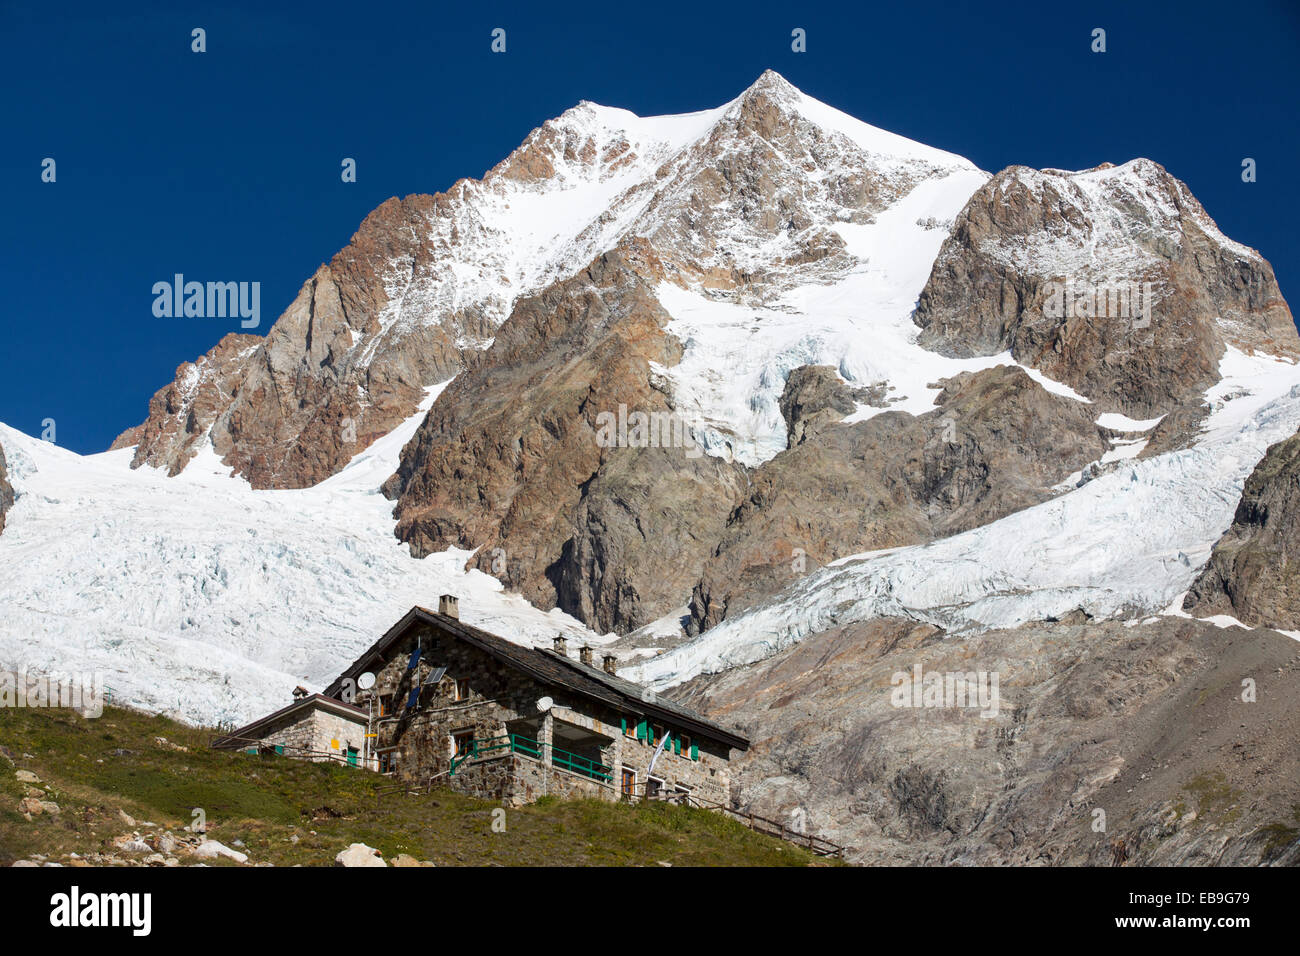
{"x": 366, "y": 681}
{"x": 545, "y": 704}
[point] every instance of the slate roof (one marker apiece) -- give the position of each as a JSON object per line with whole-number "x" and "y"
{"x": 547, "y": 667}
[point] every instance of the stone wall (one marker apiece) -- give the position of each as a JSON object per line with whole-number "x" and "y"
{"x": 515, "y": 780}
{"x": 314, "y": 734}
{"x": 492, "y": 695}
{"x": 708, "y": 777}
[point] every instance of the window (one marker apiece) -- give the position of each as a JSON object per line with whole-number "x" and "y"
{"x": 629, "y": 783}
{"x": 388, "y": 761}
{"x": 462, "y": 743}
{"x": 656, "y": 735}
{"x": 629, "y": 727}
{"x": 460, "y": 690}
{"x": 653, "y": 787}
{"x": 683, "y": 746}
{"x": 385, "y": 704}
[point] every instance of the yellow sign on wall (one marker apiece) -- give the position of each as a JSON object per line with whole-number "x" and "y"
{"x": 334, "y": 744}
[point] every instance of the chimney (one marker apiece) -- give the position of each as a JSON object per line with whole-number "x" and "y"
{"x": 611, "y": 664}
{"x": 584, "y": 655}
{"x": 560, "y": 647}
{"x": 449, "y": 605}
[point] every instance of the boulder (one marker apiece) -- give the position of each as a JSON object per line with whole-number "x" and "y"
{"x": 358, "y": 854}
{"x": 211, "y": 849}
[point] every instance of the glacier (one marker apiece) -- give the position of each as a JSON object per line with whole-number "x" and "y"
{"x": 203, "y": 599}
{"x": 1127, "y": 543}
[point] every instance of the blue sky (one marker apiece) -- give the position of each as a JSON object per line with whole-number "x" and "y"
{"x": 225, "y": 165}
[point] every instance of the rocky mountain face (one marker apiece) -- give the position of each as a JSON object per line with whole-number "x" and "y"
{"x": 508, "y": 460}
{"x": 1254, "y": 570}
{"x": 413, "y": 299}
{"x": 734, "y": 200}
{"x": 750, "y": 210}
{"x": 996, "y": 442}
{"x": 1040, "y": 262}
{"x": 553, "y": 291}
{"x": 6, "y": 490}
{"x": 1144, "y": 722}
{"x": 345, "y": 364}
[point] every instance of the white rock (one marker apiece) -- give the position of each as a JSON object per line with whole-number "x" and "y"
{"x": 211, "y": 849}
{"x": 358, "y": 854}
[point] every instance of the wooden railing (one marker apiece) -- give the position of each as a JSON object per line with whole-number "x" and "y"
{"x": 818, "y": 845}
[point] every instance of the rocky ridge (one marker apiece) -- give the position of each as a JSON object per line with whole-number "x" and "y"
{"x": 6, "y": 490}
{"x": 1253, "y": 570}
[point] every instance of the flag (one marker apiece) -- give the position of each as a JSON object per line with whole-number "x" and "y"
{"x": 658, "y": 750}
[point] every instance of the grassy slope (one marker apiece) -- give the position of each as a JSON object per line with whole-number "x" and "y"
{"x": 94, "y": 768}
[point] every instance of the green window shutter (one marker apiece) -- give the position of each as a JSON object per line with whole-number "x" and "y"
{"x": 695, "y": 750}
{"x": 279, "y": 749}
{"x": 677, "y": 744}
{"x": 624, "y": 725}
{"x": 641, "y": 730}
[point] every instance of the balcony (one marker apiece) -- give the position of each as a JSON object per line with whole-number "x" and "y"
{"x": 527, "y": 747}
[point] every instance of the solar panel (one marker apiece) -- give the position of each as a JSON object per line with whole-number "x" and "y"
{"x": 413, "y": 699}
{"x": 415, "y": 659}
{"x": 435, "y": 675}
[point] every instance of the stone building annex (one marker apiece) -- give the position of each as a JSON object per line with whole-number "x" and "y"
{"x": 436, "y": 701}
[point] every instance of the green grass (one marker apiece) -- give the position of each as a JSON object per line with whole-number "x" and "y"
{"x": 94, "y": 768}
{"x": 1215, "y": 797}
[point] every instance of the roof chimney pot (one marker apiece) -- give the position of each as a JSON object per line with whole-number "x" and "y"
{"x": 561, "y": 647}
{"x": 449, "y": 605}
{"x": 584, "y": 655}
{"x": 611, "y": 664}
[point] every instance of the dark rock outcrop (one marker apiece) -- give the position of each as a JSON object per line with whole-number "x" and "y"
{"x": 815, "y": 396}
{"x": 6, "y": 490}
{"x": 509, "y": 460}
{"x": 996, "y": 443}
{"x": 1254, "y": 569}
